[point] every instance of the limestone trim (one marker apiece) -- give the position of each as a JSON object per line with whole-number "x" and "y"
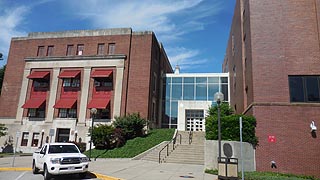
{"x": 84, "y": 95}
{"x": 53, "y": 94}
{"x": 23, "y": 94}
{"x": 87, "y": 65}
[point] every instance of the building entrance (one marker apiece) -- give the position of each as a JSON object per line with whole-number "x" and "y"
{"x": 195, "y": 120}
{"x": 62, "y": 135}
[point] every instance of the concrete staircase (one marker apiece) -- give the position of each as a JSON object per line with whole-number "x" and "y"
{"x": 184, "y": 153}
{"x": 189, "y": 153}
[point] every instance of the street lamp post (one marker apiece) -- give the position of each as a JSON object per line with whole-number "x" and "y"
{"x": 218, "y": 98}
{"x": 42, "y": 133}
{"x": 93, "y": 114}
{"x": 75, "y": 135}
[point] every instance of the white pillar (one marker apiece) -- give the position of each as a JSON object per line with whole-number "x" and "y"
{"x": 23, "y": 95}
{"x": 53, "y": 94}
{"x": 84, "y": 95}
{"x": 118, "y": 91}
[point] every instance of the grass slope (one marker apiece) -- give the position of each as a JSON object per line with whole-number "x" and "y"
{"x": 135, "y": 146}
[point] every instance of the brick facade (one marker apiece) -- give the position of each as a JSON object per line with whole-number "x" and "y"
{"x": 137, "y": 59}
{"x": 270, "y": 40}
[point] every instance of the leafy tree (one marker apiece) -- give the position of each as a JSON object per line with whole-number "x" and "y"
{"x": 132, "y": 125}
{"x": 2, "y": 70}
{"x": 3, "y": 130}
{"x": 230, "y": 127}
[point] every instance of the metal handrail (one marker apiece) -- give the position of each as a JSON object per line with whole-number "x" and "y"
{"x": 174, "y": 145}
{"x": 190, "y": 136}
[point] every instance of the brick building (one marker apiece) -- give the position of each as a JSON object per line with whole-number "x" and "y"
{"x": 53, "y": 79}
{"x": 273, "y": 57}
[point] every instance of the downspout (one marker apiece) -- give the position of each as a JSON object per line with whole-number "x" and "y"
{"x": 128, "y": 75}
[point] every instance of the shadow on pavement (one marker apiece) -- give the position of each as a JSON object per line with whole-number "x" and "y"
{"x": 74, "y": 176}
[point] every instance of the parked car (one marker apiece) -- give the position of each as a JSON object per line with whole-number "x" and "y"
{"x": 58, "y": 159}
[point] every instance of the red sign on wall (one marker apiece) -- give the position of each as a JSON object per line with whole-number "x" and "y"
{"x": 272, "y": 139}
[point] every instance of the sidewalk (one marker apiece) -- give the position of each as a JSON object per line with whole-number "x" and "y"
{"x": 131, "y": 169}
{"x": 147, "y": 170}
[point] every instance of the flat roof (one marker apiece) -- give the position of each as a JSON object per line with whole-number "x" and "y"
{"x": 82, "y": 33}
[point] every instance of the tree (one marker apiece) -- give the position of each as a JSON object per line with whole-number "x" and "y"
{"x": 230, "y": 127}
{"x": 2, "y": 70}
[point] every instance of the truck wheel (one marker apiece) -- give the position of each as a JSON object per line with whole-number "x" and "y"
{"x": 35, "y": 170}
{"x": 82, "y": 175}
{"x": 46, "y": 174}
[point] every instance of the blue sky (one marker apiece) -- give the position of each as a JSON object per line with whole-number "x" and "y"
{"x": 194, "y": 32}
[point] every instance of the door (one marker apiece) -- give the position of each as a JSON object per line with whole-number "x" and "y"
{"x": 62, "y": 135}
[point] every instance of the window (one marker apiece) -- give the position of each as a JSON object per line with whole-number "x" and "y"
{"x": 154, "y": 83}
{"x": 80, "y": 49}
{"x": 40, "y": 84}
{"x": 50, "y": 51}
{"x": 67, "y": 82}
{"x": 103, "y": 113}
{"x": 35, "y": 139}
{"x": 36, "y": 113}
{"x": 111, "y": 48}
{"x": 304, "y": 88}
{"x": 154, "y": 112}
{"x": 63, "y": 113}
{"x": 40, "y": 51}
{"x": 24, "y": 140}
{"x": 67, "y": 113}
{"x": 232, "y": 45}
{"x": 103, "y": 82}
{"x": 71, "y": 82}
{"x": 69, "y": 50}
{"x": 100, "y": 49}
{"x": 32, "y": 112}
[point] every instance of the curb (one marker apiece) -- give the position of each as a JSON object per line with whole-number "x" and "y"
{"x": 99, "y": 176}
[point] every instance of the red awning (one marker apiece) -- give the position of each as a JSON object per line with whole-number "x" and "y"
{"x": 101, "y": 73}
{"x": 38, "y": 74}
{"x": 65, "y": 103}
{"x": 34, "y": 103}
{"x": 98, "y": 103}
{"x": 69, "y": 74}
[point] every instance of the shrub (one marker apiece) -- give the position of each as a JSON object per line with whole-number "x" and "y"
{"x": 102, "y": 136}
{"x": 132, "y": 125}
{"x": 3, "y": 130}
{"x": 230, "y": 127}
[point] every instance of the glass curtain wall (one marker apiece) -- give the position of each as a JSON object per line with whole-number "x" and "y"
{"x": 190, "y": 88}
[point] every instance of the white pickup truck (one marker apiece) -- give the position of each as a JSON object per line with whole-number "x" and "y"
{"x": 58, "y": 159}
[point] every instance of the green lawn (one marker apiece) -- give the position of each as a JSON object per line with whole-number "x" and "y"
{"x": 135, "y": 146}
{"x": 275, "y": 176}
{"x": 267, "y": 176}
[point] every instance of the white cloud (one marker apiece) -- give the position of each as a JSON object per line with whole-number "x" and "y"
{"x": 171, "y": 20}
{"x": 10, "y": 19}
{"x": 185, "y": 58}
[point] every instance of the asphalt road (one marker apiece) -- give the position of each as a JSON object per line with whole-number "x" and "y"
{"x": 27, "y": 175}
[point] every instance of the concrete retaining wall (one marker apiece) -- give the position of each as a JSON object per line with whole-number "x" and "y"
{"x": 211, "y": 154}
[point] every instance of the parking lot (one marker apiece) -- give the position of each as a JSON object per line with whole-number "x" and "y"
{"x": 111, "y": 169}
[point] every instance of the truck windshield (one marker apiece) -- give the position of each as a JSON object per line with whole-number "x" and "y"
{"x": 62, "y": 149}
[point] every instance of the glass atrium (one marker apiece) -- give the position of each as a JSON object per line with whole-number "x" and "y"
{"x": 191, "y": 87}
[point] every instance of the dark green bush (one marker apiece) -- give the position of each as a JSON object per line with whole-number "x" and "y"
{"x": 3, "y": 130}
{"x": 132, "y": 125}
{"x": 103, "y": 136}
{"x": 230, "y": 127}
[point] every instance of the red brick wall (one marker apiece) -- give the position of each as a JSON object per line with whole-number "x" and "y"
{"x": 282, "y": 38}
{"x": 295, "y": 150}
{"x": 139, "y": 75}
